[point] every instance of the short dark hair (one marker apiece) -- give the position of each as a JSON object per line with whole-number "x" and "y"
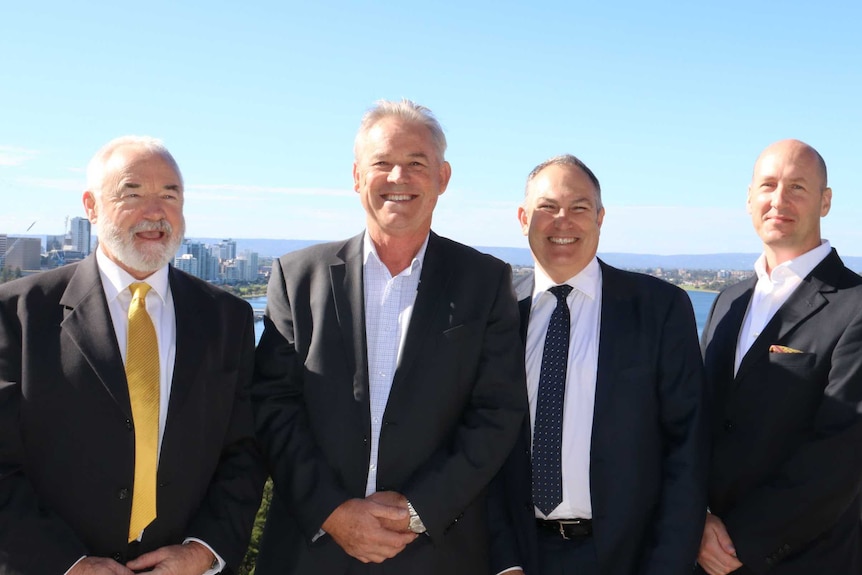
{"x": 567, "y": 160}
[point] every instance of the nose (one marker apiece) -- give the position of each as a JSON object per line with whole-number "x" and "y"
{"x": 154, "y": 209}
{"x": 562, "y": 218}
{"x": 778, "y": 197}
{"x": 397, "y": 174}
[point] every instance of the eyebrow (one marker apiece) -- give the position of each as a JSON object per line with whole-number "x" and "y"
{"x": 135, "y": 185}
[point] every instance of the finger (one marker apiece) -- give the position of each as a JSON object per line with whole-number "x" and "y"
{"x": 388, "y": 512}
{"x": 725, "y": 542}
{"x": 147, "y": 560}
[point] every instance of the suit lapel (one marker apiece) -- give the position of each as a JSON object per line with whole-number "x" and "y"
{"x": 524, "y": 287}
{"x": 194, "y": 327}
{"x": 431, "y": 303}
{"x": 720, "y": 354}
{"x": 88, "y": 323}
{"x": 347, "y": 291}
{"x": 614, "y": 322}
{"x": 805, "y": 301}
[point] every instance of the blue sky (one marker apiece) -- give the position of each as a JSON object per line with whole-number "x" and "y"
{"x": 668, "y": 102}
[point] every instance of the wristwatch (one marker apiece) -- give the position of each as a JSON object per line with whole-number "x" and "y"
{"x": 416, "y": 525}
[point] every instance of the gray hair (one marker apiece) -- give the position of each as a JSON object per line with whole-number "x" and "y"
{"x": 567, "y": 160}
{"x": 96, "y": 167}
{"x": 406, "y": 110}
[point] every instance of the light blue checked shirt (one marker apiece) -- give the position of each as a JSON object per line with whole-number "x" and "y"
{"x": 388, "y": 308}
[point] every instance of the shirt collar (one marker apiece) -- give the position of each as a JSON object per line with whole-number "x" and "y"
{"x": 800, "y": 266}
{"x": 369, "y": 252}
{"x": 587, "y": 281}
{"x": 116, "y": 280}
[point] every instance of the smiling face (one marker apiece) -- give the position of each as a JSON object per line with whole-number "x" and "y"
{"x": 399, "y": 177}
{"x": 786, "y": 199}
{"x": 561, "y": 220}
{"x": 139, "y": 210}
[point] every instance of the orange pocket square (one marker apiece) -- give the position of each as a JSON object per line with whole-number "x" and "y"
{"x": 782, "y": 349}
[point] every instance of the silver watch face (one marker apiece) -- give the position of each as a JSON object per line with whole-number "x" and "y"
{"x": 416, "y": 525}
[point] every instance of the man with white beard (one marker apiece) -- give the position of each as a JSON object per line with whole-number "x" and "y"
{"x": 126, "y": 439}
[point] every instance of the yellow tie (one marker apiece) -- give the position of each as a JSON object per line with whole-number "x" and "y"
{"x": 142, "y": 374}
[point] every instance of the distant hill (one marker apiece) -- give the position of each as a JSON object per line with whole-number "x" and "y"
{"x": 521, "y": 256}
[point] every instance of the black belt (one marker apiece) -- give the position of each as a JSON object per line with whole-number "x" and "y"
{"x": 568, "y": 528}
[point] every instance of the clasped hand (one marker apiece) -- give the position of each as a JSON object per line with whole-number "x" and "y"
{"x": 372, "y": 529}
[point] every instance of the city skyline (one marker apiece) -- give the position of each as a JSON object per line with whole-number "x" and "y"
{"x": 669, "y": 104}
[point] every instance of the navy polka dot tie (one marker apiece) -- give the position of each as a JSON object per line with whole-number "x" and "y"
{"x": 548, "y": 428}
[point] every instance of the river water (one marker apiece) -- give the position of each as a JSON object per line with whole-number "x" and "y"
{"x": 701, "y": 301}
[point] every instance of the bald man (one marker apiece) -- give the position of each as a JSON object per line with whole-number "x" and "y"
{"x": 783, "y": 356}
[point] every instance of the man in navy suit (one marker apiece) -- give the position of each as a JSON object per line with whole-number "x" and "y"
{"x": 783, "y": 356}
{"x": 610, "y": 473}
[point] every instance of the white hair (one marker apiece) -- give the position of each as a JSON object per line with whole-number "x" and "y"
{"x": 404, "y": 110}
{"x": 96, "y": 167}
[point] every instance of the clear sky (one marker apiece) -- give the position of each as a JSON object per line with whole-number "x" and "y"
{"x": 668, "y": 102}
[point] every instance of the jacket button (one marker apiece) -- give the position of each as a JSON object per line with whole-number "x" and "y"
{"x": 117, "y": 557}
{"x": 129, "y": 424}
{"x": 123, "y": 493}
{"x": 728, "y": 426}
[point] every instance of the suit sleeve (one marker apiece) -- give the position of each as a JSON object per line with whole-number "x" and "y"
{"x": 32, "y": 538}
{"x": 442, "y": 489}
{"x": 225, "y": 518}
{"x": 504, "y": 498}
{"x": 679, "y": 517}
{"x": 819, "y": 482}
{"x": 299, "y": 471}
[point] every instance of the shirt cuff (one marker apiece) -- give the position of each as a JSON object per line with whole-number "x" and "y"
{"x": 510, "y": 569}
{"x": 221, "y": 562}
{"x": 75, "y": 563}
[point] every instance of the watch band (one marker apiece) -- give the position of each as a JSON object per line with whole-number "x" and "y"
{"x": 416, "y": 525}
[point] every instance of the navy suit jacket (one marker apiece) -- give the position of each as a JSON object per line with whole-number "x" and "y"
{"x": 649, "y": 444}
{"x": 786, "y": 474}
{"x": 66, "y": 433}
{"x": 454, "y": 409}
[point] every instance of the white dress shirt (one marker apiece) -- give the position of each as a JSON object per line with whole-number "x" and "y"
{"x": 388, "y": 307}
{"x": 585, "y": 304}
{"x": 771, "y": 291}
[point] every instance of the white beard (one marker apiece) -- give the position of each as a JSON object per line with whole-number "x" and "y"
{"x": 121, "y": 244}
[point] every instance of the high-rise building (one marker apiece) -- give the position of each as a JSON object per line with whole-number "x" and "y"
{"x": 207, "y": 265}
{"x": 187, "y": 263}
{"x": 23, "y": 253}
{"x": 250, "y": 265}
{"x": 79, "y": 230}
{"x": 227, "y": 249}
{"x": 3, "y": 241}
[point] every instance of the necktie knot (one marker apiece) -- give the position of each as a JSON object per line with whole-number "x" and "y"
{"x": 139, "y": 290}
{"x": 561, "y": 292}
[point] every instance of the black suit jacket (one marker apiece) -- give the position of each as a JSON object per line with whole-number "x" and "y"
{"x": 66, "y": 434}
{"x": 649, "y": 444}
{"x": 455, "y": 406}
{"x": 786, "y": 472}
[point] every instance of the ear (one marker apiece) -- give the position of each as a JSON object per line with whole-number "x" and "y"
{"x": 445, "y": 174}
{"x": 748, "y": 200}
{"x": 524, "y": 219}
{"x": 601, "y": 217}
{"x": 90, "y": 206}
{"x": 825, "y": 202}
{"x": 355, "y": 177}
